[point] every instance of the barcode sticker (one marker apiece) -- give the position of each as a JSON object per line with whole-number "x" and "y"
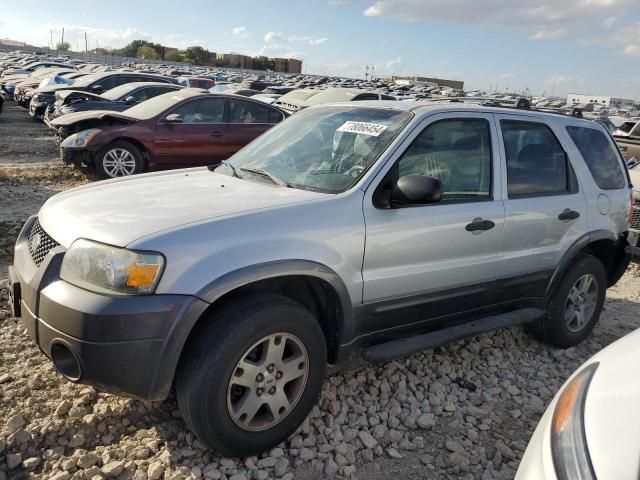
{"x": 371, "y": 129}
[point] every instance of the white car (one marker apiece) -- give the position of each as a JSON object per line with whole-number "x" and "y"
{"x": 590, "y": 429}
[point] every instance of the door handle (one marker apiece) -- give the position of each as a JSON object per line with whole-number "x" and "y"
{"x": 479, "y": 225}
{"x": 215, "y": 134}
{"x": 568, "y": 214}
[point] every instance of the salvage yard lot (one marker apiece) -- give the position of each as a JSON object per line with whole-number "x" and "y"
{"x": 463, "y": 411}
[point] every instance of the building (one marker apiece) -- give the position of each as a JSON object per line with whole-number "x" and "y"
{"x": 5, "y": 42}
{"x": 441, "y": 82}
{"x": 235, "y": 60}
{"x": 294, "y": 66}
{"x": 608, "y": 102}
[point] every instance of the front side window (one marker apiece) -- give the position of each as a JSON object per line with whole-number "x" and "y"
{"x": 536, "y": 162}
{"x": 458, "y": 153}
{"x": 324, "y": 149}
{"x": 600, "y": 156}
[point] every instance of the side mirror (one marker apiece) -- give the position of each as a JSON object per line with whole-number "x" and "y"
{"x": 130, "y": 99}
{"x": 416, "y": 190}
{"x": 173, "y": 118}
{"x": 97, "y": 88}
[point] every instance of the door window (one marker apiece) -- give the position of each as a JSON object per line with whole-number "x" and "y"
{"x": 458, "y": 153}
{"x": 203, "y": 110}
{"x": 247, "y": 112}
{"x": 536, "y": 162}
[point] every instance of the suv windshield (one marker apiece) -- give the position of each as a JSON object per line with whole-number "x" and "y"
{"x": 325, "y": 149}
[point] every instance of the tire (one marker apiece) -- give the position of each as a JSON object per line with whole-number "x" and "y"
{"x": 562, "y": 326}
{"x": 118, "y": 159}
{"x": 205, "y": 394}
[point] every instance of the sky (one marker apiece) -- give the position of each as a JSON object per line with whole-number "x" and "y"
{"x": 548, "y": 46}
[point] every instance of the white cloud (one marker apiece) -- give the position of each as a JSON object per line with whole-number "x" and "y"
{"x": 241, "y": 31}
{"x": 560, "y": 79}
{"x": 628, "y": 39}
{"x": 544, "y": 19}
{"x": 273, "y": 37}
{"x": 276, "y": 44}
{"x": 506, "y": 76}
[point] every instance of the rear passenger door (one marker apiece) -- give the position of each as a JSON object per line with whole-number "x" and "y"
{"x": 545, "y": 210}
{"x": 247, "y": 120}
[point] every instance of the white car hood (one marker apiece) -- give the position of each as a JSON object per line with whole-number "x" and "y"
{"x": 612, "y": 416}
{"x": 120, "y": 211}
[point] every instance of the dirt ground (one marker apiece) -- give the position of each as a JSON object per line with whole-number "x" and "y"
{"x": 463, "y": 411}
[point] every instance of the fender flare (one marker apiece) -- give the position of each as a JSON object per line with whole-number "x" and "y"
{"x": 572, "y": 252}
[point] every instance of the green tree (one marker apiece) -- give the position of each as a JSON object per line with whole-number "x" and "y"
{"x": 173, "y": 56}
{"x": 146, "y": 52}
{"x": 63, "y": 46}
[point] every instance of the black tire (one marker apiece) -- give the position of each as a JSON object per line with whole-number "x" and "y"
{"x": 202, "y": 380}
{"x": 553, "y": 328}
{"x": 103, "y": 156}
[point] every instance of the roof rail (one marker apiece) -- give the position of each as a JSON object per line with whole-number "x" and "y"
{"x": 521, "y": 103}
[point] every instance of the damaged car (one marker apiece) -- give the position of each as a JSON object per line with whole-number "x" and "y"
{"x": 117, "y": 99}
{"x": 96, "y": 83}
{"x": 186, "y": 128}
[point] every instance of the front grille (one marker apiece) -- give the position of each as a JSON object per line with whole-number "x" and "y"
{"x": 40, "y": 243}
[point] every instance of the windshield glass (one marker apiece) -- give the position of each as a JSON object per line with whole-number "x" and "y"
{"x": 324, "y": 149}
{"x": 155, "y": 106}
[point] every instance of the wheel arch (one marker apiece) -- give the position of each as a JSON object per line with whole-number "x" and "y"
{"x": 136, "y": 143}
{"x": 312, "y": 284}
{"x": 602, "y": 244}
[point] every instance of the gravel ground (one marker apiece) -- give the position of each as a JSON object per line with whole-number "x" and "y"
{"x": 466, "y": 410}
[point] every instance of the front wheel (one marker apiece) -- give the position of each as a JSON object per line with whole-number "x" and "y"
{"x": 119, "y": 159}
{"x": 252, "y": 374}
{"x": 575, "y": 306}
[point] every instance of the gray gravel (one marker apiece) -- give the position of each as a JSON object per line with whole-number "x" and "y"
{"x": 465, "y": 410}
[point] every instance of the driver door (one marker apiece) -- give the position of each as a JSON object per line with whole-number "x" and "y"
{"x": 428, "y": 261}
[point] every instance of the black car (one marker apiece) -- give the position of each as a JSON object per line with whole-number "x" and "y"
{"x": 117, "y": 99}
{"x": 97, "y": 83}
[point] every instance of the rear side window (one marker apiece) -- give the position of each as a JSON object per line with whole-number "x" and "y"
{"x": 247, "y": 112}
{"x": 600, "y": 157}
{"x": 536, "y": 162}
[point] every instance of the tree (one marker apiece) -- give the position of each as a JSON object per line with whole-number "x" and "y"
{"x": 63, "y": 46}
{"x": 173, "y": 56}
{"x": 148, "y": 53}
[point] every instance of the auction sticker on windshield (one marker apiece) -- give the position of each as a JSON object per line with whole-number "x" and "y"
{"x": 372, "y": 129}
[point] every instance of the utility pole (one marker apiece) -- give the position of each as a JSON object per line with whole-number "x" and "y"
{"x": 366, "y": 75}
{"x": 62, "y": 38}
{"x": 86, "y": 45}
{"x": 51, "y": 39}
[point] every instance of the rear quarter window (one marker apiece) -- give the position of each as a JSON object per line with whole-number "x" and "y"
{"x": 600, "y": 156}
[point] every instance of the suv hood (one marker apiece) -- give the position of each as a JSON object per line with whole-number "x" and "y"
{"x": 120, "y": 211}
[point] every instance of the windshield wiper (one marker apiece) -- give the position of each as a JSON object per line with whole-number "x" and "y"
{"x": 226, "y": 164}
{"x": 269, "y": 175}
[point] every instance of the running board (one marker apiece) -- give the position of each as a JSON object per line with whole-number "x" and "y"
{"x": 404, "y": 346}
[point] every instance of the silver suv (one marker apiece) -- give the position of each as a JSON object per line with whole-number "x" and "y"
{"x": 381, "y": 227}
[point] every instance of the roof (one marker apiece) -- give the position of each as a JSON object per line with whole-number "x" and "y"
{"x": 429, "y": 106}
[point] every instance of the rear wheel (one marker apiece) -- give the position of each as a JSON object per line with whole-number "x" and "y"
{"x": 252, "y": 374}
{"x": 119, "y": 159}
{"x": 575, "y": 306}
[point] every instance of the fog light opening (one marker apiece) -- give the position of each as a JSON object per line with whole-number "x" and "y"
{"x": 65, "y": 362}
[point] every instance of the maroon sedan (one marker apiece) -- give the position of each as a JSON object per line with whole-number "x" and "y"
{"x": 187, "y": 128}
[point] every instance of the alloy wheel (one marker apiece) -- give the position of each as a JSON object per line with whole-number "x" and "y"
{"x": 581, "y": 302}
{"x": 119, "y": 162}
{"x": 267, "y": 382}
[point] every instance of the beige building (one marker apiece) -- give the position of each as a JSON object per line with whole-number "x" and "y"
{"x": 235, "y": 60}
{"x": 287, "y": 65}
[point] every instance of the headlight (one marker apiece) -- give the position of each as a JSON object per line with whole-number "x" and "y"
{"x": 568, "y": 438}
{"x": 80, "y": 139}
{"x": 111, "y": 270}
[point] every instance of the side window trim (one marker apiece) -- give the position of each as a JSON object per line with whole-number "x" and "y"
{"x": 175, "y": 107}
{"x": 573, "y": 187}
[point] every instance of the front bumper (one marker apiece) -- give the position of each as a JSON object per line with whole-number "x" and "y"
{"x": 36, "y": 109}
{"x": 122, "y": 344}
{"x": 77, "y": 156}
